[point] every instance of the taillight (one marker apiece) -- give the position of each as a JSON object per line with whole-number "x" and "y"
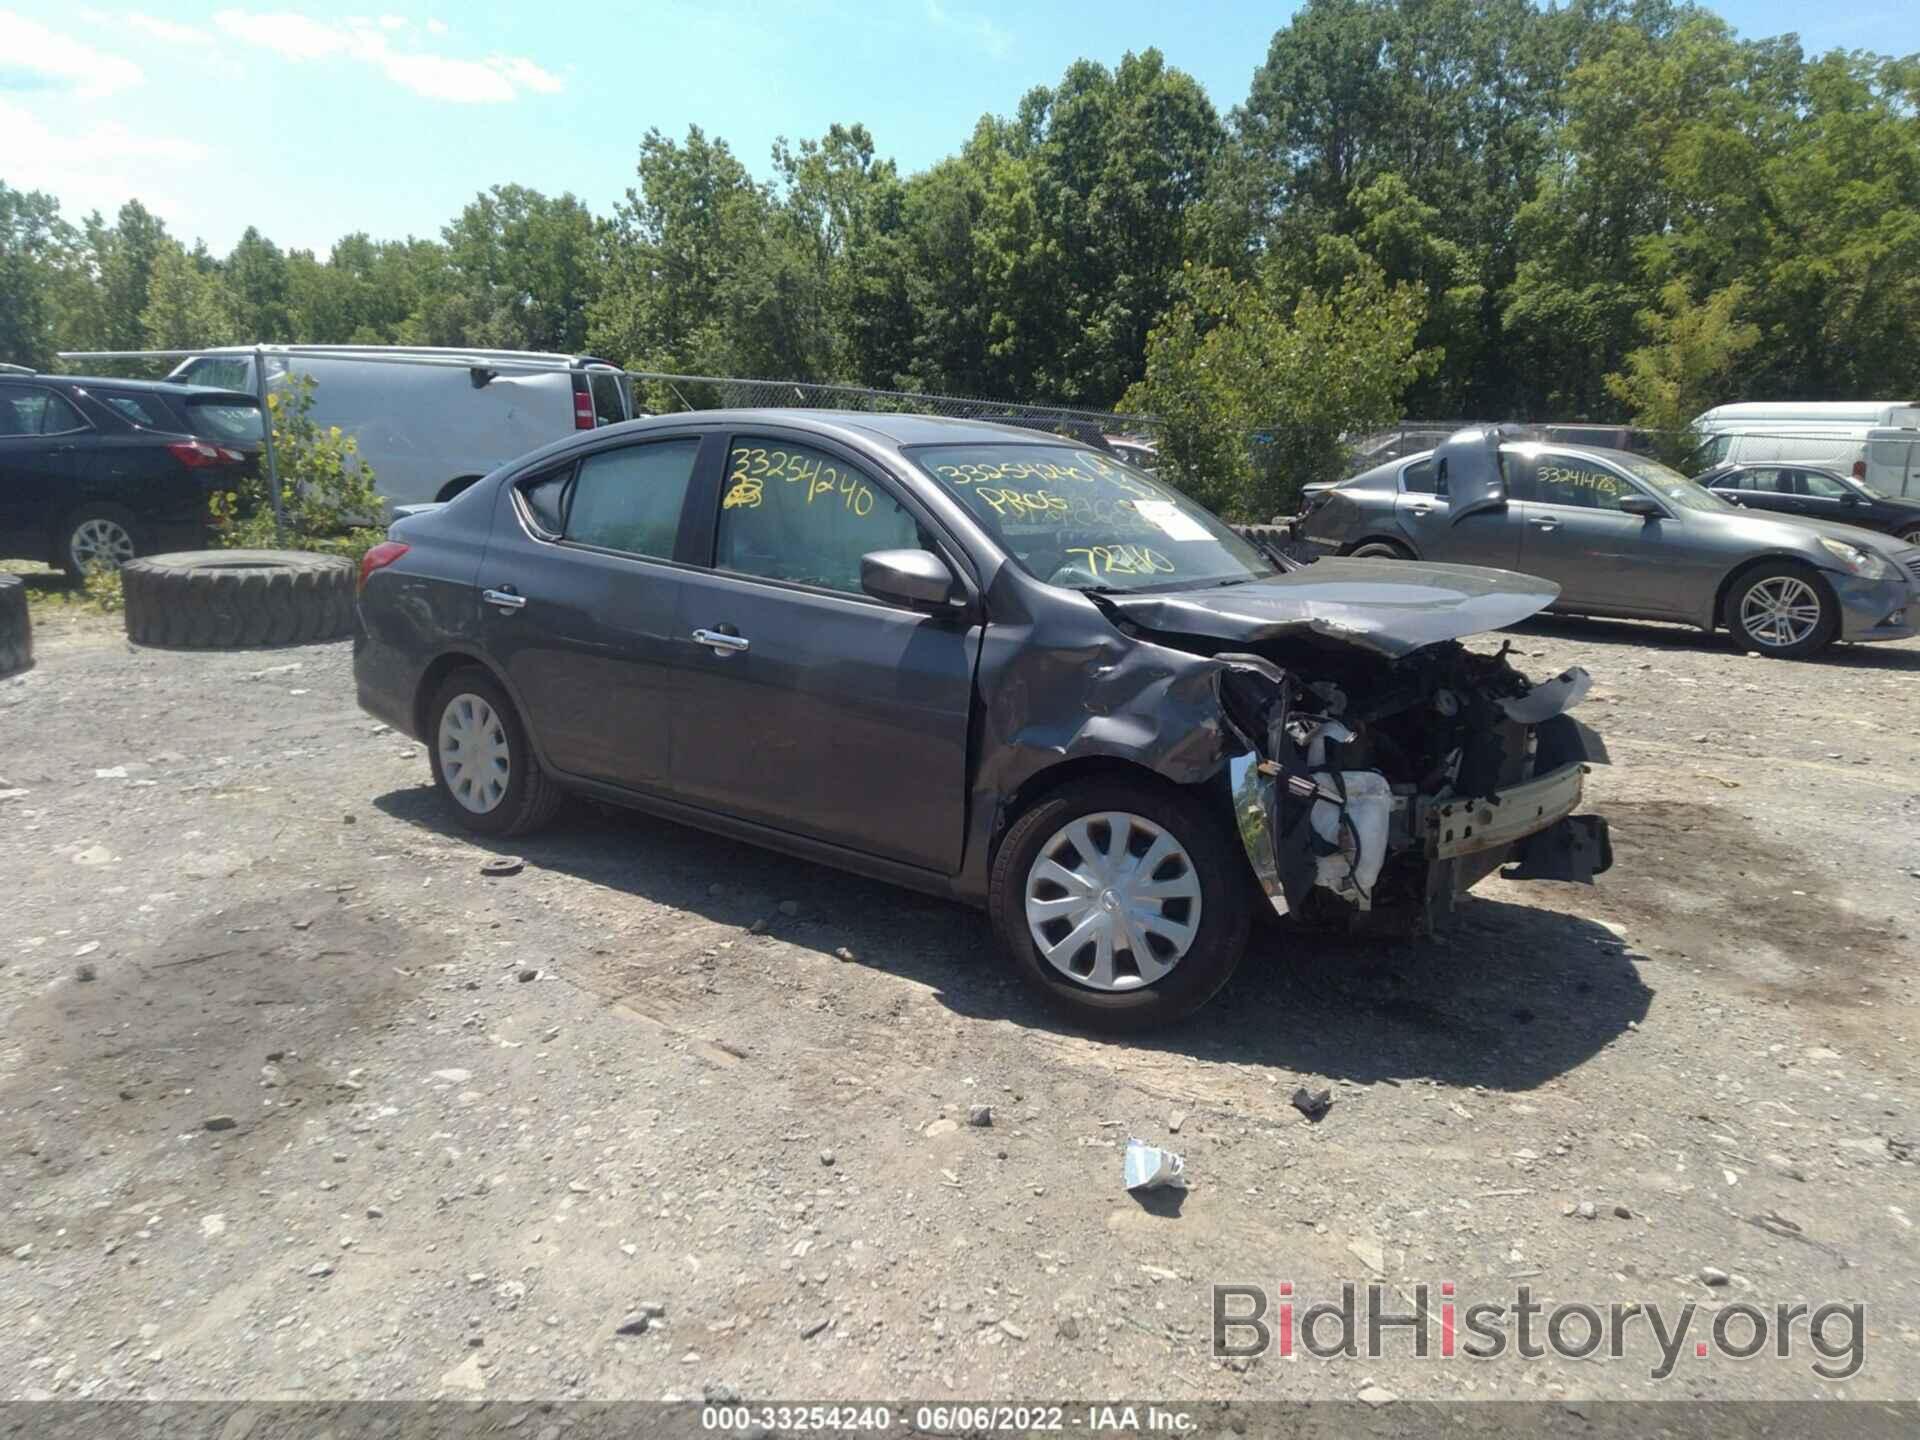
{"x": 197, "y": 454}
{"x": 379, "y": 557}
{"x": 582, "y": 410}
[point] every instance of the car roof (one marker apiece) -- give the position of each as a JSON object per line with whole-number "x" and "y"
{"x": 116, "y": 382}
{"x": 897, "y": 430}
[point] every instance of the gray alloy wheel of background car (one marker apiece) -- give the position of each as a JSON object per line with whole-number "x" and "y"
{"x": 1910, "y": 537}
{"x": 16, "y": 626}
{"x": 1783, "y": 610}
{"x": 1378, "y": 550}
{"x": 98, "y": 535}
{"x": 1071, "y": 889}
{"x": 229, "y": 599}
{"x": 482, "y": 763}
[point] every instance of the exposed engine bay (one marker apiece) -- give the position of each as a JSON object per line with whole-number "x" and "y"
{"x": 1373, "y": 791}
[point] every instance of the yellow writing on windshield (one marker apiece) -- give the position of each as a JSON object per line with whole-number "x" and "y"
{"x": 1123, "y": 560}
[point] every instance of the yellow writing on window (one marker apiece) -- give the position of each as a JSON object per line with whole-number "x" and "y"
{"x": 1124, "y": 560}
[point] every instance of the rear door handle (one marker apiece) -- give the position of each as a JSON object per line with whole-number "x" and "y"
{"x": 721, "y": 643}
{"x": 1423, "y": 509}
{"x": 505, "y": 599}
{"x": 1546, "y": 524}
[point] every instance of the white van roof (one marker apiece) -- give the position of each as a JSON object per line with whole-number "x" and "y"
{"x": 437, "y": 352}
{"x": 1825, "y": 414}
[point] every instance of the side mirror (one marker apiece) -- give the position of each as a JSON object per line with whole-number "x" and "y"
{"x": 918, "y": 578}
{"x": 1644, "y": 506}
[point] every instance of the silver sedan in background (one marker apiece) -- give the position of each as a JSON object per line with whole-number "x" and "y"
{"x": 1624, "y": 535}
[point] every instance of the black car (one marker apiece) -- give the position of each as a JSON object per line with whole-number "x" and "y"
{"x": 98, "y": 471}
{"x": 981, "y": 662}
{"x": 1821, "y": 494}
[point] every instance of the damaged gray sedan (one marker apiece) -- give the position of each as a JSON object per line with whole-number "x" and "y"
{"x": 982, "y": 663}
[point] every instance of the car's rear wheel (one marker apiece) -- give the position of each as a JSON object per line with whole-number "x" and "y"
{"x": 1123, "y": 902}
{"x": 97, "y": 537}
{"x": 1378, "y": 550}
{"x": 1784, "y": 610}
{"x": 482, "y": 763}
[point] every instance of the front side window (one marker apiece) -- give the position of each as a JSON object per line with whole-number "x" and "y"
{"x": 1084, "y": 520}
{"x": 609, "y": 405}
{"x": 1575, "y": 481}
{"x": 630, "y": 499}
{"x": 1763, "y": 478}
{"x": 221, "y": 372}
{"x": 790, "y": 512}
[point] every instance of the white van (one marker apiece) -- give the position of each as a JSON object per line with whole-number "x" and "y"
{"x": 1867, "y": 439}
{"x": 432, "y": 421}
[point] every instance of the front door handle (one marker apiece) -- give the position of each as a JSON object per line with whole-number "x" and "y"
{"x": 505, "y": 599}
{"x": 1546, "y": 524}
{"x": 1423, "y": 509}
{"x": 720, "y": 642}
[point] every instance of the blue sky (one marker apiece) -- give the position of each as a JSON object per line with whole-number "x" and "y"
{"x": 312, "y": 120}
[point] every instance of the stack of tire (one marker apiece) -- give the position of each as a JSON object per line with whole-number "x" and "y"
{"x": 231, "y": 599}
{"x": 1276, "y": 539}
{"x": 16, "y": 626}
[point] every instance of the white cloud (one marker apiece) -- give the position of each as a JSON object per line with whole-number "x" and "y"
{"x": 977, "y": 28}
{"x": 368, "y": 42}
{"x": 97, "y": 167}
{"x": 436, "y": 27}
{"x": 33, "y": 57}
{"x": 525, "y": 73}
{"x": 172, "y": 32}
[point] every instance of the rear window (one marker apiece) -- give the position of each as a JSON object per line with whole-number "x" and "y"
{"x": 224, "y": 420}
{"x": 1418, "y": 478}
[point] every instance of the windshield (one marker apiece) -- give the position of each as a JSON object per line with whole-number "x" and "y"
{"x": 1669, "y": 484}
{"x": 1872, "y": 492}
{"x": 1087, "y": 521}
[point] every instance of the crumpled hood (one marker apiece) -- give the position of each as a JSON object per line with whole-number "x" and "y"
{"x": 1391, "y": 607}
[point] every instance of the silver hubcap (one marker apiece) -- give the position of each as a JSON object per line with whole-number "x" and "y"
{"x": 100, "y": 543}
{"x": 1113, "y": 901}
{"x": 474, "y": 756}
{"x": 1780, "y": 611}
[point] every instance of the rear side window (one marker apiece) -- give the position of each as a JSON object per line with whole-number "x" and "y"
{"x": 790, "y": 512}
{"x": 630, "y": 499}
{"x": 1418, "y": 478}
{"x": 140, "y": 409}
{"x": 546, "y": 500}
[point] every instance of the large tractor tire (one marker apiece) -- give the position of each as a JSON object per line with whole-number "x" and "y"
{"x": 236, "y": 599}
{"x": 16, "y": 626}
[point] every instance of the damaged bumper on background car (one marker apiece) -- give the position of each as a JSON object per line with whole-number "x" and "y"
{"x": 1330, "y": 837}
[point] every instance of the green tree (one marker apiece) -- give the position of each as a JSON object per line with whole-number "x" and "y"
{"x": 1692, "y": 349}
{"x": 1257, "y": 387}
{"x": 259, "y": 286}
{"x": 187, "y": 307}
{"x": 36, "y": 246}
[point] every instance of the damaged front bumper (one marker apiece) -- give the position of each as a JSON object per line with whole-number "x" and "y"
{"x": 1323, "y": 837}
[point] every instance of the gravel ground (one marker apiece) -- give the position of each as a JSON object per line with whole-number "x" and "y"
{"x": 295, "y": 1103}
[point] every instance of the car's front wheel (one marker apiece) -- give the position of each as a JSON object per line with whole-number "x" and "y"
{"x": 1379, "y": 550}
{"x": 482, "y": 763}
{"x": 1785, "y": 611}
{"x": 1124, "y": 902}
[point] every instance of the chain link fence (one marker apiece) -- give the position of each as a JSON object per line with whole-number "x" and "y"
{"x": 664, "y": 393}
